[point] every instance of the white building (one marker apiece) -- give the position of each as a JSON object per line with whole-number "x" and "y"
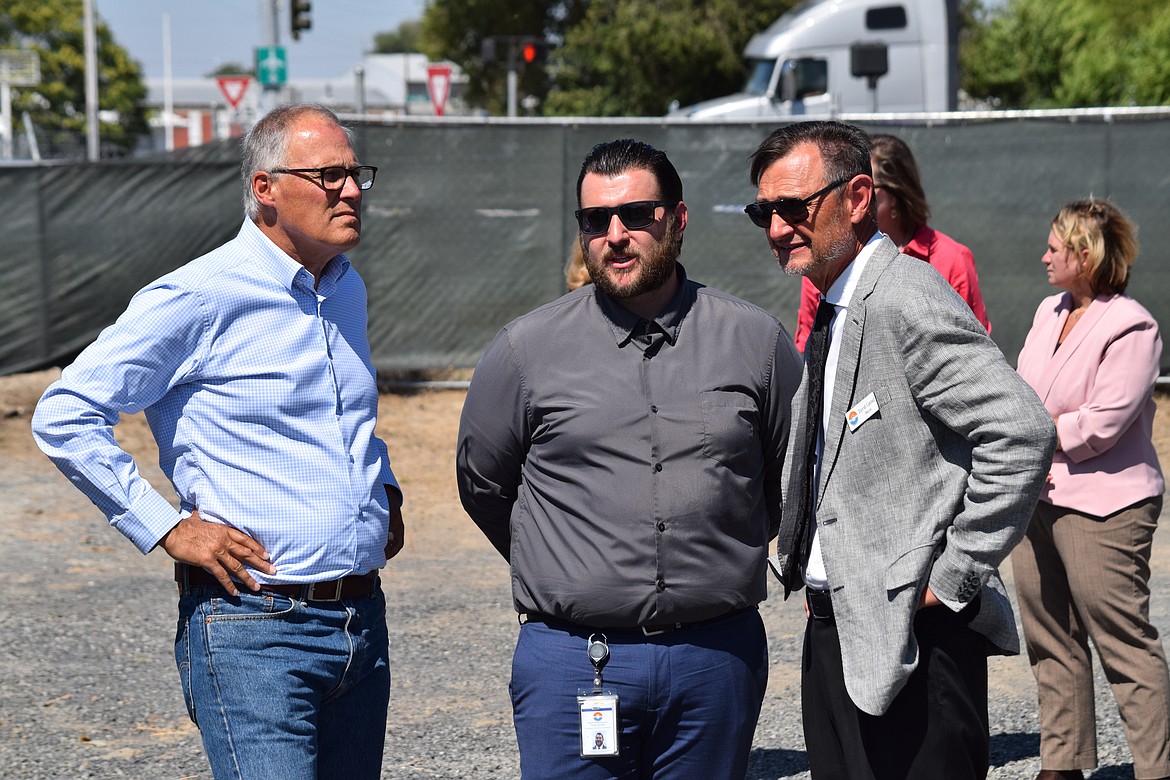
{"x": 382, "y": 85}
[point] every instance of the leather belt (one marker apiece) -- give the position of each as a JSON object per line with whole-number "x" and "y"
{"x": 820, "y": 604}
{"x": 653, "y": 629}
{"x": 352, "y": 587}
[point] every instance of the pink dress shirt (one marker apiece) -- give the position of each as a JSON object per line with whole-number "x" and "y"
{"x": 946, "y": 255}
{"x": 1098, "y": 386}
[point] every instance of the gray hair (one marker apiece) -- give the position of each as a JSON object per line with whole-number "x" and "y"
{"x": 266, "y": 145}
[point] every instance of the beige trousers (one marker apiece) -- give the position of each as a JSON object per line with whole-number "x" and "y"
{"x": 1082, "y": 578}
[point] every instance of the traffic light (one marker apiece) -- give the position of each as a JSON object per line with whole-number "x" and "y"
{"x": 533, "y": 51}
{"x": 298, "y": 17}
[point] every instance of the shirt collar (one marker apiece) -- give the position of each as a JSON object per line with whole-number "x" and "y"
{"x": 920, "y": 243}
{"x": 623, "y": 322}
{"x": 842, "y": 289}
{"x": 285, "y": 269}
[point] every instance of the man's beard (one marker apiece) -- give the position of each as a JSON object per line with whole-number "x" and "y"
{"x": 653, "y": 267}
{"x": 823, "y": 255}
{"x": 829, "y": 250}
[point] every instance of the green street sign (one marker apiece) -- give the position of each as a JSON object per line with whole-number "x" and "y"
{"x": 271, "y": 65}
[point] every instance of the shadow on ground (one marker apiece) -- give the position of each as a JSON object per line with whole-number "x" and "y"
{"x": 1006, "y": 748}
{"x": 770, "y": 763}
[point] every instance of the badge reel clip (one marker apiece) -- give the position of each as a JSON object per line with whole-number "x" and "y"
{"x": 598, "y": 707}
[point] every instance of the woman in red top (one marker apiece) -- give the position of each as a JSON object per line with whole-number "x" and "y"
{"x": 902, "y": 213}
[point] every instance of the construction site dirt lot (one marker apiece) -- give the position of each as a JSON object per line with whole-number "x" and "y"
{"x": 88, "y": 687}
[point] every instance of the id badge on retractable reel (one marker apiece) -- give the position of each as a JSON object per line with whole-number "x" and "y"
{"x": 598, "y": 708}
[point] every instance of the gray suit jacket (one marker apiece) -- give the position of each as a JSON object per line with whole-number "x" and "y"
{"x": 935, "y": 488}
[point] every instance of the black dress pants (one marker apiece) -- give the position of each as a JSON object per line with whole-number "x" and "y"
{"x": 935, "y": 728}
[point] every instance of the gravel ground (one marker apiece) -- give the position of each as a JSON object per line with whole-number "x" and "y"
{"x": 88, "y": 687}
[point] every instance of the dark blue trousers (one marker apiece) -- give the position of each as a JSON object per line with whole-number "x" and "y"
{"x": 688, "y": 706}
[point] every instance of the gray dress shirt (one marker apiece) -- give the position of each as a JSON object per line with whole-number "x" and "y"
{"x": 629, "y": 470}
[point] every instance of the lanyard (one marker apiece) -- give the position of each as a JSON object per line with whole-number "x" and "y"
{"x": 598, "y": 655}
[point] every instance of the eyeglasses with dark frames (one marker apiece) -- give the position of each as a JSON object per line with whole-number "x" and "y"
{"x": 791, "y": 210}
{"x": 635, "y": 215}
{"x": 333, "y": 177}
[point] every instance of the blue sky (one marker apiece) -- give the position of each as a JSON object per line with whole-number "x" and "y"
{"x": 208, "y": 33}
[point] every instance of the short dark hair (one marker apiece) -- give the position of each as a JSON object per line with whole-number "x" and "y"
{"x": 613, "y": 158}
{"x": 844, "y": 149}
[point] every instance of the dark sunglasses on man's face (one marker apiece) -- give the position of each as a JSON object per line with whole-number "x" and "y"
{"x": 791, "y": 210}
{"x": 635, "y": 215}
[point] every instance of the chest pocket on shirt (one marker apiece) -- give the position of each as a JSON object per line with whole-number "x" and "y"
{"x": 731, "y": 423}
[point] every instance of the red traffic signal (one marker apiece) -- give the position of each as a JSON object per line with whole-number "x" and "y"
{"x": 533, "y": 51}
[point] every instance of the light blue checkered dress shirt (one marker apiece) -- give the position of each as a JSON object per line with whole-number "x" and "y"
{"x": 261, "y": 395}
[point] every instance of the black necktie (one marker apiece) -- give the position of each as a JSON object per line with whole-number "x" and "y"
{"x": 816, "y": 350}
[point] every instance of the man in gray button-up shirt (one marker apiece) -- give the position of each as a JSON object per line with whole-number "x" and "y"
{"x": 622, "y": 447}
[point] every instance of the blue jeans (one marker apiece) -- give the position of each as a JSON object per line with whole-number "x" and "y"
{"x": 688, "y": 700}
{"x": 285, "y": 689}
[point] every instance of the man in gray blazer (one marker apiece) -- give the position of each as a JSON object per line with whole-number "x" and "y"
{"x": 918, "y": 480}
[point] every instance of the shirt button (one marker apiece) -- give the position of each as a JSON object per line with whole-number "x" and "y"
{"x": 654, "y": 409}
{"x": 662, "y": 526}
{"x": 658, "y": 467}
{"x": 661, "y": 585}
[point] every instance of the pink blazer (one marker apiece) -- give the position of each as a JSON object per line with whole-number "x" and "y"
{"x": 1099, "y": 387}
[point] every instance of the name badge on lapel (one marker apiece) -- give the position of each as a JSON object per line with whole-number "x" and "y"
{"x": 867, "y": 408}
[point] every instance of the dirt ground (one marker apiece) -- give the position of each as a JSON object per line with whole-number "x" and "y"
{"x": 452, "y": 625}
{"x": 91, "y": 650}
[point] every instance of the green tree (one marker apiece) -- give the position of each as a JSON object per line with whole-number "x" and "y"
{"x": 231, "y": 69}
{"x": 1069, "y": 53}
{"x": 634, "y": 57}
{"x": 456, "y": 29}
{"x": 53, "y": 28}
{"x": 608, "y": 57}
{"x": 1151, "y": 66}
{"x": 406, "y": 38}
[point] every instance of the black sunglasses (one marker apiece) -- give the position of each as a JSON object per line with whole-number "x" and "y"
{"x": 635, "y": 215}
{"x": 791, "y": 210}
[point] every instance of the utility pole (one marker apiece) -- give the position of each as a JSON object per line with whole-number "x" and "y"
{"x": 513, "y": 79}
{"x": 271, "y": 92}
{"x": 359, "y": 90}
{"x": 5, "y": 117}
{"x": 168, "y": 86}
{"x": 92, "y": 136}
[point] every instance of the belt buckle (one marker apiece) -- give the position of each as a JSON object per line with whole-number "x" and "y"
{"x": 315, "y": 595}
{"x": 820, "y": 604}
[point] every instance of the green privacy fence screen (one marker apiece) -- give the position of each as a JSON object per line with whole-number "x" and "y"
{"x": 470, "y": 223}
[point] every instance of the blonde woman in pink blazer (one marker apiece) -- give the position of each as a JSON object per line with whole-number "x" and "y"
{"x": 1082, "y": 571}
